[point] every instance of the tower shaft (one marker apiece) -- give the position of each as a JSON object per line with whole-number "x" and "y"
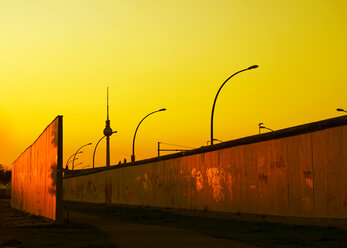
{"x": 108, "y": 133}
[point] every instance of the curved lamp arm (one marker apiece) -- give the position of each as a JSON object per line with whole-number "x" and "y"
{"x": 68, "y": 161}
{"x": 133, "y": 154}
{"x": 73, "y": 162}
{"x": 95, "y": 149}
{"x": 215, "y": 99}
{"x": 97, "y": 146}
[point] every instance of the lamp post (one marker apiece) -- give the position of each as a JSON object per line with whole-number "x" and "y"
{"x": 97, "y": 146}
{"x": 68, "y": 161}
{"x": 341, "y": 110}
{"x": 133, "y": 155}
{"x": 67, "y": 164}
{"x": 78, "y": 164}
{"x": 260, "y": 125}
{"x": 73, "y": 162}
{"x": 215, "y": 99}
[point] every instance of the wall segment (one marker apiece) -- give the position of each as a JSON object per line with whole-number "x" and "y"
{"x": 303, "y": 174}
{"x": 37, "y": 175}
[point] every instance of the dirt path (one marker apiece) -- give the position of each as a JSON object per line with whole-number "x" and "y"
{"x": 128, "y": 235}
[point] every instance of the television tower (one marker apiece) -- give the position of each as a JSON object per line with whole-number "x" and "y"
{"x": 107, "y": 133}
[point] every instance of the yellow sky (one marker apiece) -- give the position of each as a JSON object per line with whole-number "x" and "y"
{"x": 58, "y": 57}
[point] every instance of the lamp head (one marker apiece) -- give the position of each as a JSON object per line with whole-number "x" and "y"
{"x": 340, "y": 110}
{"x": 260, "y": 124}
{"x": 163, "y": 109}
{"x": 253, "y": 67}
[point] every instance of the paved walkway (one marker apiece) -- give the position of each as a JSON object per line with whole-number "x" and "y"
{"x": 127, "y": 235}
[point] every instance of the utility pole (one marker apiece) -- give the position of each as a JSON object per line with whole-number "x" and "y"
{"x": 107, "y": 133}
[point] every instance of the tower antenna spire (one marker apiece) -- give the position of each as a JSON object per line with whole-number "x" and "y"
{"x": 107, "y": 104}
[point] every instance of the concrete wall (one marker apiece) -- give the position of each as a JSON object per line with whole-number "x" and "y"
{"x": 36, "y": 185}
{"x": 299, "y": 175}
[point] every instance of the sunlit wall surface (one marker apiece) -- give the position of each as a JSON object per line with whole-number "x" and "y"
{"x": 298, "y": 175}
{"x": 36, "y": 174}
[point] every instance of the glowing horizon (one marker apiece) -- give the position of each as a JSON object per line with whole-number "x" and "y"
{"x": 59, "y": 57}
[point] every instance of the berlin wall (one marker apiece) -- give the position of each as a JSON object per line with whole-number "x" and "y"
{"x": 36, "y": 185}
{"x": 300, "y": 171}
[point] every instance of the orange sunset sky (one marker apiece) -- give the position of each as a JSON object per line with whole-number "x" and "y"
{"x": 58, "y": 57}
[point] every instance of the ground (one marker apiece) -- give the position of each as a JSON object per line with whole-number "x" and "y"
{"x": 18, "y": 229}
{"x": 100, "y": 225}
{"x": 255, "y": 230}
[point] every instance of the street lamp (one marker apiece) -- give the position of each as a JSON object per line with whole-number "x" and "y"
{"x": 341, "y": 110}
{"x": 67, "y": 164}
{"x": 73, "y": 162}
{"x": 68, "y": 161}
{"x": 260, "y": 125}
{"x": 133, "y": 155}
{"x": 78, "y": 164}
{"x": 215, "y": 99}
{"x": 97, "y": 146}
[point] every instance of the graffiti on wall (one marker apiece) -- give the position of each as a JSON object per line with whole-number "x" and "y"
{"x": 287, "y": 176}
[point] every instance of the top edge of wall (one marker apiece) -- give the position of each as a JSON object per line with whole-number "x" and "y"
{"x": 60, "y": 117}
